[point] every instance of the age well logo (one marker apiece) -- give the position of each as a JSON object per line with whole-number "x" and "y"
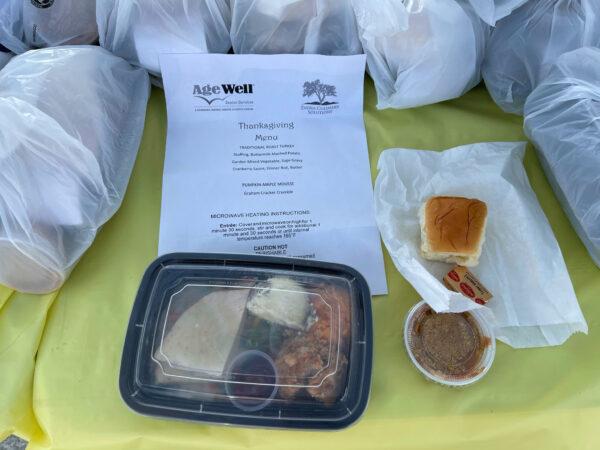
{"x": 321, "y": 92}
{"x": 224, "y": 97}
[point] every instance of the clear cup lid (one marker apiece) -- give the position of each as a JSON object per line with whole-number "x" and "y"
{"x": 453, "y": 349}
{"x": 249, "y": 341}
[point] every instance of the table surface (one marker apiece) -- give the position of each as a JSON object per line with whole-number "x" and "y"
{"x": 60, "y": 353}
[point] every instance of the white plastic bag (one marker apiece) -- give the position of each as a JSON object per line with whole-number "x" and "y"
{"x": 76, "y": 117}
{"x": 421, "y": 52}
{"x": 524, "y": 45}
{"x": 562, "y": 118}
{"x": 140, "y": 30}
{"x": 26, "y": 24}
{"x": 493, "y": 10}
{"x": 325, "y": 27}
{"x": 534, "y": 303}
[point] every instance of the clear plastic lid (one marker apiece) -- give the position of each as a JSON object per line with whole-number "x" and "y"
{"x": 453, "y": 349}
{"x": 250, "y": 341}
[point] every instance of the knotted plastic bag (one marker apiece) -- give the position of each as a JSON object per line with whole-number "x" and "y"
{"x": 562, "y": 118}
{"x": 421, "y": 51}
{"x": 140, "y": 30}
{"x": 491, "y": 11}
{"x": 325, "y": 27}
{"x": 525, "y": 44}
{"x": 76, "y": 117}
{"x": 27, "y": 24}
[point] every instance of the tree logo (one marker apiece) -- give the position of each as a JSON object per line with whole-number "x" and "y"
{"x": 42, "y": 3}
{"x": 321, "y": 91}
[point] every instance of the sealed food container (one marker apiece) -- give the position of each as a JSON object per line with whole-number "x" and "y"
{"x": 453, "y": 349}
{"x": 248, "y": 340}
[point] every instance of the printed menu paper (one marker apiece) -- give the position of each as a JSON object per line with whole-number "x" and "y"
{"x": 268, "y": 155}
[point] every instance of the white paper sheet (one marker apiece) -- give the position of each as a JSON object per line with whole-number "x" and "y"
{"x": 534, "y": 303}
{"x": 258, "y": 163}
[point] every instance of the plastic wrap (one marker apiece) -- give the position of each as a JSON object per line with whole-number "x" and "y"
{"x": 140, "y": 30}
{"x": 27, "y": 24}
{"x": 409, "y": 54}
{"x": 77, "y": 116}
{"x": 562, "y": 118}
{"x": 524, "y": 45}
{"x": 326, "y": 27}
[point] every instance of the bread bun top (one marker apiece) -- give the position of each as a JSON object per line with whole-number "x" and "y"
{"x": 454, "y": 224}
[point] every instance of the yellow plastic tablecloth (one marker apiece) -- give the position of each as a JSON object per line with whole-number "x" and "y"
{"x": 67, "y": 397}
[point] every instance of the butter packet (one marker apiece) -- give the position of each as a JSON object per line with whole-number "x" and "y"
{"x": 461, "y": 280}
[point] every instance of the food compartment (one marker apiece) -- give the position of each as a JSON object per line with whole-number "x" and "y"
{"x": 302, "y": 326}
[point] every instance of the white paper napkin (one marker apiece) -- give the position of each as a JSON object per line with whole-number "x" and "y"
{"x": 534, "y": 302}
